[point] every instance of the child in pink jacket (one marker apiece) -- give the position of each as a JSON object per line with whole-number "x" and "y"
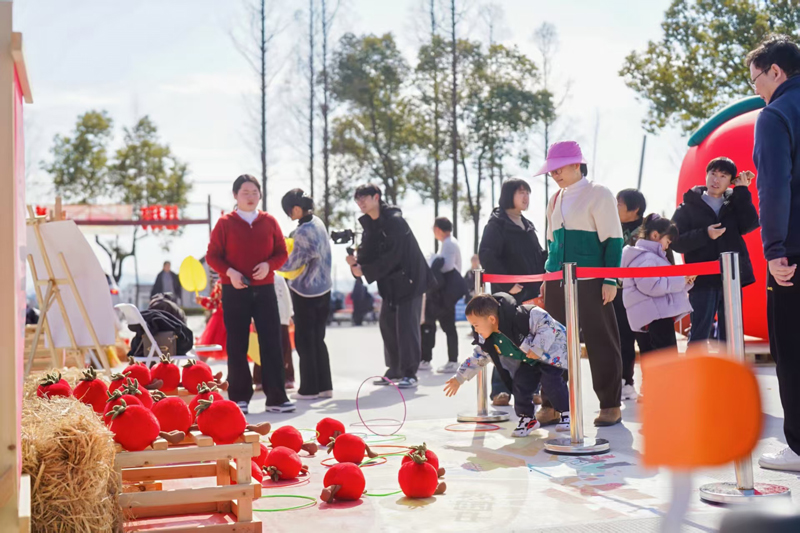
{"x": 654, "y": 305}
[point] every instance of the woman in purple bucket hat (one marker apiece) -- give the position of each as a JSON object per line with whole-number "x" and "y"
{"x": 584, "y": 228}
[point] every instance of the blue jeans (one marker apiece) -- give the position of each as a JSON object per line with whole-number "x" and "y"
{"x": 706, "y": 303}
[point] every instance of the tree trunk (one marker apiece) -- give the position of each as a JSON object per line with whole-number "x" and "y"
{"x": 263, "y": 53}
{"x": 311, "y": 109}
{"x": 436, "y": 183}
{"x": 454, "y": 115}
{"x": 325, "y": 129}
{"x": 476, "y": 215}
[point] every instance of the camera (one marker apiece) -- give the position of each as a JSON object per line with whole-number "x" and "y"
{"x": 346, "y": 236}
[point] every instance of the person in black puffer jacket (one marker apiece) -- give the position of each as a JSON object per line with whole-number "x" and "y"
{"x": 712, "y": 220}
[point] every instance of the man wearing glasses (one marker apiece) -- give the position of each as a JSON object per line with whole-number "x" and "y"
{"x": 775, "y": 77}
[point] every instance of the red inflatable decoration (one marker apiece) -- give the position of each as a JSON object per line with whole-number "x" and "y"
{"x": 730, "y": 134}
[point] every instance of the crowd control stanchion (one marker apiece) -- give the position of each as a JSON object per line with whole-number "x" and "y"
{"x": 744, "y": 489}
{"x": 577, "y": 443}
{"x": 483, "y": 414}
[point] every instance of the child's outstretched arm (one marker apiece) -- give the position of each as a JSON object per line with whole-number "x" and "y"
{"x": 468, "y": 369}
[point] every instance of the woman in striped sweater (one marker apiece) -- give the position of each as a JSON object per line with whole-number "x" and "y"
{"x": 584, "y": 228}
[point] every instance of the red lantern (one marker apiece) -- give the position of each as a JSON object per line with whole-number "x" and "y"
{"x": 41, "y": 211}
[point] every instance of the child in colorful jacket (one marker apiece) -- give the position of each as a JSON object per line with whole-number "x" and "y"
{"x": 584, "y": 228}
{"x": 526, "y": 346}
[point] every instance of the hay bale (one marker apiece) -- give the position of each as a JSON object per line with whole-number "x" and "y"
{"x": 69, "y": 454}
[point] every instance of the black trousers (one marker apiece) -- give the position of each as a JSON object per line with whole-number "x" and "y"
{"x": 783, "y": 317}
{"x": 627, "y": 338}
{"x": 310, "y": 321}
{"x": 447, "y": 319}
{"x": 260, "y": 305}
{"x": 600, "y": 333}
{"x": 402, "y": 348}
{"x": 661, "y": 334}
{"x": 526, "y": 382}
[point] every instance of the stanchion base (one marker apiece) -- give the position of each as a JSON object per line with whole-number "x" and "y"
{"x": 565, "y": 446}
{"x": 490, "y": 416}
{"x": 728, "y": 493}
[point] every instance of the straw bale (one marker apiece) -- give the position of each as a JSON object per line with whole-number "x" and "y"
{"x": 69, "y": 454}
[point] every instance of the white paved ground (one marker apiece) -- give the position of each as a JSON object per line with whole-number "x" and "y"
{"x": 494, "y": 481}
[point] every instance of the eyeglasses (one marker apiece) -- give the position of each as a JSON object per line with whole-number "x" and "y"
{"x": 753, "y": 81}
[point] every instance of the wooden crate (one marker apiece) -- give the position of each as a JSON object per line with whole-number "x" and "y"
{"x": 196, "y": 457}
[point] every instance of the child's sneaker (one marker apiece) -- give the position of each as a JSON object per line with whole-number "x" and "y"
{"x": 564, "y": 424}
{"x": 525, "y": 426}
{"x": 628, "y": 392}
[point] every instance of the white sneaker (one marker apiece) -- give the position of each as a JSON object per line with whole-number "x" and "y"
{"x": 326, "y": 394}
{"x": 564, "y": 424}
{"x": 785, "y": 459}
{"x": 449, "y": 368}
{"x": 425, "y": 365}
{"x": 298, "y": 396}
{"x": 628, "y": 392}
{"x": 525, "y": 426}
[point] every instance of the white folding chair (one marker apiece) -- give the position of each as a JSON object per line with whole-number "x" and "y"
{"x": 132, "y": 316}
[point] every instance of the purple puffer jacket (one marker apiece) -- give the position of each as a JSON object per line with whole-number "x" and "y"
{"x": 649, "y": 299}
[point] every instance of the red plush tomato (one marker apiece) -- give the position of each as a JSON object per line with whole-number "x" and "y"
{"x": 168, "y": 372}
{"x": 283, "y": 463}
{"x": 289, "y": 437}
{"x": 222, "y": 420}
{"x": 134, "y": 427}
{"x": 349, "y": 448}
{"x": 327, "y": 428}
{"x": 117, "y": 381}
{"x": 195, "y": 373}
{"x": 429, "y": 455}
{"x": 261, "y": 460}
{"x": 256, "y": 472}
{"x": 172, "y": 413}
{"x": 92, "y": 391}
{"x": 344, "y": 481}
{"x": 133, "y": 388}
{"x": 204, "y": 392}
{"x": 138, "y": 371}
{"x": 116, "y": 398}
{"x": 52, "y": 385}
{"x": 418, "y": 478}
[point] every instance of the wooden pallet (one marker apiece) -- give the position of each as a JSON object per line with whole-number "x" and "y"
{"x": 196, "y": 457}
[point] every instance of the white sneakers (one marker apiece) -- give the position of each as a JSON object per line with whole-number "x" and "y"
{"x": 628, "y": 392}
{"x": 449, "y": 368}
{"x": 425, "y": 365}
{"x": 563, "y": 425}
{"x": 525, "y": 426}
{"x": 785, "y": 459}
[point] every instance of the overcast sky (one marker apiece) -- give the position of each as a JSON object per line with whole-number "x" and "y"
{"x": 175, "y": 61}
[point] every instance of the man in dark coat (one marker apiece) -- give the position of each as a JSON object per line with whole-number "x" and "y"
{"x": 389, "y": 254}
{"x": 775, "y": 76}
{"x": 711, "y": 220}
{"x": 167, "y": 281}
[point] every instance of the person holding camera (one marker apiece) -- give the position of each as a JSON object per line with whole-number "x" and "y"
{"x": 246, "y": 248}
{"x": 389, "y": 254}
{"x": 311, "y": 294}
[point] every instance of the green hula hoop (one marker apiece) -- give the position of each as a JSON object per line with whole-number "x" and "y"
{"x": 394, "y": 438}
{"x": 305, "y": 505}
{"x": 382, "y": 495}
{"x": 316, "y": 435}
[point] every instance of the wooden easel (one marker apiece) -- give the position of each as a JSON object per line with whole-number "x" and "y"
{"x": 53, "y": 294}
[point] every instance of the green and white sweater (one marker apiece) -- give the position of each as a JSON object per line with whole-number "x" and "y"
{"x": 584, "y": 228}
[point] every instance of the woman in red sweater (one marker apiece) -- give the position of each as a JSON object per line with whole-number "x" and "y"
{"x": 246, "y": 248}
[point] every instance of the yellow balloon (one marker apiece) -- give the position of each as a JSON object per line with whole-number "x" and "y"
{"x": 292, "y": 274}
{"x": 253, "y": 349}
{"x": 192, "y": 275}
{"x": 289, "y": 245}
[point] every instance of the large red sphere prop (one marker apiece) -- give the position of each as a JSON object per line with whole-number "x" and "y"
{"x": 734, "y": 139}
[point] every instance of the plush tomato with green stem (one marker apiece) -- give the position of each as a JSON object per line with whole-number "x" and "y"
{"x": 118, "y": 380}
{"x": 172, "y": 412}
{"x": 116, "y": 398}
{"x": 256, "y": 472}
{"x": 429, "y": 455}
{"x": 327, "y": 428}
{"x": 194, "y": 374}
{"x": 168, "y": 372}
{"x": 134, "y": 427}
{"x": 53, "y": 385}
{"x": 92, "y": 391}
{"x": 139, "y": 371}
{"x": 283, "y": 463}
{"x": 343, "y": 481}
{"x": 223, "y": 421}
{"x": 289, "y": 437}
{"x": 418, "y": 478}
{"x": 133, "y": 388}
{"x": 349, "y": 448}
{"x": 205, "y": 391}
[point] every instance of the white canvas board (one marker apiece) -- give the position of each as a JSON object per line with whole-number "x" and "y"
{"x": 65, "y": 237}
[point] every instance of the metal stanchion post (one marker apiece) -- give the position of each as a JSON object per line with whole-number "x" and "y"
{"x": 576, "y": 444}
{"x": 484, "y": 414}
{"x": 744, "y": 489}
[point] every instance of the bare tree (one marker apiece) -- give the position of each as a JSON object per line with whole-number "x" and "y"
{"x": 311, "y": 93}
{"x": 454, "y": 113}
{"x": 327, "y": 21}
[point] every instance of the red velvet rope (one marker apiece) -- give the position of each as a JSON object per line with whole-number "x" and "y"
{"x": 693, "y": 269}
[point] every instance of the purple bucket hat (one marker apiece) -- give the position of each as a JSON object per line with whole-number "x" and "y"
{"x": 560, "y": 155}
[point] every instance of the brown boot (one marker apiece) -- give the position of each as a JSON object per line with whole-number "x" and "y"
{"x": 501, "y": 399}
{"x": 547, "y": 416}
{"x": 608, "y": 417}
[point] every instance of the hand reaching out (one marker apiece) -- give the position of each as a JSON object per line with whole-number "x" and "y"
{"x": 451, "y": 387}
